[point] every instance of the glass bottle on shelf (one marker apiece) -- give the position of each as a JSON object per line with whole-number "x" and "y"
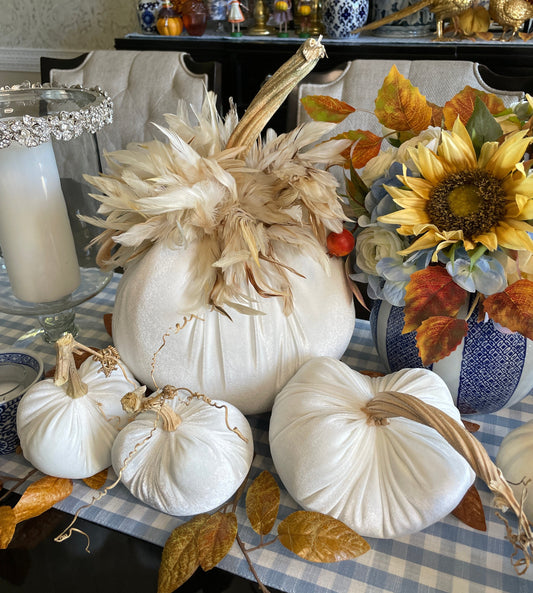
{"x": 194, "y": 14}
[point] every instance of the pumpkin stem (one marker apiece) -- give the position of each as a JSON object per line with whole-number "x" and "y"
{"x": 391, "y": 404}
{"x": 66, "y": 371}
{"x": 275, "y": 91}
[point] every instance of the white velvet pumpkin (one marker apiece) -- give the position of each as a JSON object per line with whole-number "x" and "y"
{"x": 383, "y": 481}
{"x": 190, "y": 470}
{"x": 244, "y": 360}
{"x": 71, "y": 437}
{"x": 515, "y": 459}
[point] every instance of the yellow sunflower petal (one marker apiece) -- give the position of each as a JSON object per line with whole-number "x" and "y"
{"x": 405, "y": 197}
{"x": 487, "y": 151}
{"x": 512, "y": 238}
{"x": 419, "y": 185}
{"x": 490, "y": 240}
{"x": 456, "y": 148}
{"x": 520, "y": 207}
{"x": 424, "y": 242}
{"x": 407, "y": 216}
{"x": 429, "y": 164}
{"x": 508, "y": 154}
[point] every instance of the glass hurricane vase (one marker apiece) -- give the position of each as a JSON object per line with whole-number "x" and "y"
{"x": 47, "y": 143}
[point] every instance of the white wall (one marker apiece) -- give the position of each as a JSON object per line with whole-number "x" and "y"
{"x": 57, "y": 28}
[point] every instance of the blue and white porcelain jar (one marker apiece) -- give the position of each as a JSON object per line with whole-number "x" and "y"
{"x": 147, "y": 14}
{"x": 341, "y": 17}
{"x": 488, "y": 371}
{"x": 418, "y": 24}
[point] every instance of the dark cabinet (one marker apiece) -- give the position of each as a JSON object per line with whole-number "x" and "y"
{"x": 247, "y": 61}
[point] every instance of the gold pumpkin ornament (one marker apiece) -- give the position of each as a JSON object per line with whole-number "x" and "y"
{"x": 168, "y": 20}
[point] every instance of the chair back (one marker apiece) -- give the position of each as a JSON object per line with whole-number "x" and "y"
{"x": 144, "y": 85}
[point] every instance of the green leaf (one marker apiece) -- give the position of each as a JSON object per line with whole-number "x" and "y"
{"x": 482, "y": 126}
{"x": 356, "y": 192}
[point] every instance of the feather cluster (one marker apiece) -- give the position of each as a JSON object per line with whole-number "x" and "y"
{"x": 236, "y": 206}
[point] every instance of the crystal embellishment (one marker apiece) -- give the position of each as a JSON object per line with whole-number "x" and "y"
{"x": 31, "y": 131}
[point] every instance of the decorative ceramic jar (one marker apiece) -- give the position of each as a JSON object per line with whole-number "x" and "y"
{"x": 147, "y": 13}
{"x": 341, "y": 17}
{"x": 418, "y": 24}
{"x": 488, "y": 371}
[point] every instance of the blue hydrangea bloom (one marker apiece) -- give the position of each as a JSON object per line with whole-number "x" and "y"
{"x": 486, "y": 275}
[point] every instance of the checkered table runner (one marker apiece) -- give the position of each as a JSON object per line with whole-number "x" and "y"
{"x": 447, "y": 557}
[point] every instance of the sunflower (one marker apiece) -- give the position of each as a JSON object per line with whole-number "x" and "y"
{"x": 462, "y": 198}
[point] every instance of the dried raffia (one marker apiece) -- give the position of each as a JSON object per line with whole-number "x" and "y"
{"x": 391, "y": 404}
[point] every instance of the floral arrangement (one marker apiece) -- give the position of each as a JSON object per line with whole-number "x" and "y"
{"x": 444, "y": 209}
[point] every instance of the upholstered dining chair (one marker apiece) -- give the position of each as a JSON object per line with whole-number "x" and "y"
{"x": 357, "y": 83}
{"x": 144, "y": 85}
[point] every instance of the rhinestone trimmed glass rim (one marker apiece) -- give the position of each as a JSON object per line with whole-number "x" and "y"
{"x": 31, "y": 131}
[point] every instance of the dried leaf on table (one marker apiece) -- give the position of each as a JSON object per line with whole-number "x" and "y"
{"x": 463, "y": 103}
{"x": 262, "y": 503}
{"x": 41, "y": 496}
{"x": 97, "y": 481}
{"x": 430, "y": 292}
{"x": 513, "y": 308}
{"x": 438, "y": 336}
{"x": 180, "y": 558}
{"x": 400, "y": 106}
{"x": 8, "y": 522}
{"x": 525, "y": 36}
{"x": 216, "y": 538}
{"x": 324, "y": 108}
{"x": 320, "y": 538}
{"x": 470, "y": 510}
{"x": 470, "y": 426}
{"x": 108, "y": 323}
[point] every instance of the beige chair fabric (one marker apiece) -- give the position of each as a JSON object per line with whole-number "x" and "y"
{"x": 359, "y": 82}
{"x": 144, "y": 85}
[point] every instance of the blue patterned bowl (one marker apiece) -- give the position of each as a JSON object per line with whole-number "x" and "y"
{"x": 488, "y": 371}
{"x": 19, "y": 370}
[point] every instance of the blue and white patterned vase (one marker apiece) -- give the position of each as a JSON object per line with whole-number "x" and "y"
{"x": 488, "y": 371}
{"x": 417, "y": 24}
{"x": 341, "y": 17}
{"x": 147, "y": 13}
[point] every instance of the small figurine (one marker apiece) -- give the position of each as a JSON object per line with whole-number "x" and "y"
{"x": 281, "y": 16}
{"x": 235, "y": 17}
{"x": 304, "y": 10}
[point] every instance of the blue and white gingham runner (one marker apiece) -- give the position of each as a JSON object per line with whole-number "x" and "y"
{"x": 447, "y": 557}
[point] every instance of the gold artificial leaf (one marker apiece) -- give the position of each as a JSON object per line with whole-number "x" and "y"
{"x": 262, "y": 503}
{"x": 216, "y": 538}
{"x": 8, "y": 522}
{"x": 41, "y": 496}
{"x": 319, "y": 538}
{"x": 180, "y": 559}
{"x": 97, "y": 481}
{"x": 324, "y": 108}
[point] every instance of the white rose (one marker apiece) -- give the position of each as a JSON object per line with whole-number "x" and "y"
{"x": 429, "y": 138}
{"x": 373, "y": 244}
{"x": 378, "y": 166}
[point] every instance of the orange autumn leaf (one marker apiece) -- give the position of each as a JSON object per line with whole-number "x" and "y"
{"x": 216, "y": 538}
{"x": 438, "y": 336}
{"x": 262, "y": 503}
{"x": 430, "y": 292}
{"x": 400, "y": 105}
{"x": 513, "y": 308}
{"x": 324, "y": 108}
{"x": 97, "y": 481}
{"x": 8, "y": 522}
{"x": 462, "y": 105}
{"x": 364, "y": 147}
{"x": 437, "y": 115}
{"x": 470, "y": 426}
{"x": 470, "y": 510}
{"x": 41, "y": 496}
{"x": 320, "y": 538}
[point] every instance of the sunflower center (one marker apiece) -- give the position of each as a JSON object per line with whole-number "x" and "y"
{"x": 472, "y": 201}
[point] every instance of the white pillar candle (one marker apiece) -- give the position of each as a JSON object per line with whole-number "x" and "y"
{"x": 35, "y": 233}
